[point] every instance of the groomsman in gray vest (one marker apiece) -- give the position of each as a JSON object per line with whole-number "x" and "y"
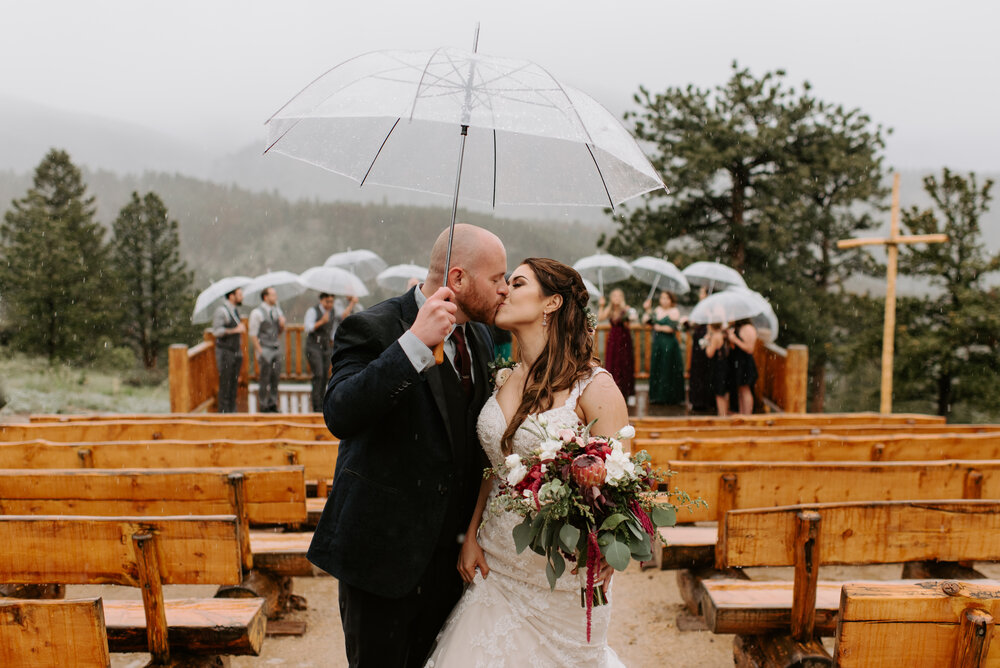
{"x": 320, "y": 324}
{"x": 267, "y": 323}
{"x": 228, "y": 327}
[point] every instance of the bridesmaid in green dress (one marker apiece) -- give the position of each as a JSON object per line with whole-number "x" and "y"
{"x": 666, "y": 366}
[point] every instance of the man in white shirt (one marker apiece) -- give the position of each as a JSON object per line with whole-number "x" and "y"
{"x": 228, "y": 328}
{"x": 267, "y": 323}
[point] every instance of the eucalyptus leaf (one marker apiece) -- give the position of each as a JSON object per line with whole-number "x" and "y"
{"x": 522, "y": 536}
{"x": 612, "y": 521}
{"x": 635, "y": 529}
{"x": 550, "y": 574}
{"x": 569, "y": 535}
{"x": 640, "y": 549}
{"x": 617, "y": 555}
{"x": 559, "y": 563}
{"x": 664, "y": 516}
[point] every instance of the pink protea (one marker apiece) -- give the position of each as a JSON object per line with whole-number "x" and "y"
{"x": 589, "y": 471}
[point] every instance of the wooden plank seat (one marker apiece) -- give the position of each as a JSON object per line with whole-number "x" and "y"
{"x": 63, "y": 634}
{"x": 741, "y": 432}
{"x": 263, "y": 496}
{"x": 148, "y": 430}
{"x": 775, "y": 419}
{"x": 317, "y": 457}
{"x": 143, "y": 552}
{"x": 785, "y": 615}
{"x": 919, "y": 625}
{"x": 308, "y": 418}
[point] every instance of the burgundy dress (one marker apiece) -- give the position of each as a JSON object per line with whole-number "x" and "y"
{"x": 618, "y": 357}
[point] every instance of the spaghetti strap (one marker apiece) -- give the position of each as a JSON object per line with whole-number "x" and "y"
{"x": 581, "y": 385}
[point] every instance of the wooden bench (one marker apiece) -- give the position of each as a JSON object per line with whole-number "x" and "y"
{"x": 918, "y": 625}
{"x": 260, "y": 496}
{"x": 777, "y": 621}
{"x": 149, "y": 430}
{"x": 774, "y": 419}
{"x": 144, "y": 552}
{"x": 56, "y": 634}
{"x": 318, "y": 458}
{"x": 744, "y": 432}
{"x": 306, "y": 418}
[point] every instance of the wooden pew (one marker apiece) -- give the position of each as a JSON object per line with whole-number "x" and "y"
{"x": 742, "y": 432}
{"x": 307, "y": 418}
{"x": 918, "y": 625}
{"x": 775, "y": 419}
{"x": 56, "y": 634}
{"x": 262, "y": 496}
{"x": 144, "y": 552}
{"x": 149, "y": 430}
{"x": 780, "y": 618}
{"x": 318, "y": 458}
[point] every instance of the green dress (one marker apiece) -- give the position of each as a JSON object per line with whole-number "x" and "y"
{"x": 666, "y": 366}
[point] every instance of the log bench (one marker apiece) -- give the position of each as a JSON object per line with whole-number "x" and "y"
{"x": 255, "y": 496}
{"x": 150, "y": 430}
{"x": 918, "y": 625}
{"x": 777, "y": 622}
{"x": 747, "y": 431}
{"x": 144, "y": 552}
{"x": 57, "y": 634}
{"x": 775, "y": 419}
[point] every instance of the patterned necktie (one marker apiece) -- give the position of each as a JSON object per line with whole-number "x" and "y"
{"x": 463, "y": 361}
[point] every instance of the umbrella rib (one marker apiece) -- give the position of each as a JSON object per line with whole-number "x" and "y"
{"x": 420, "y": 82}
{"x": 379, "y": 152}
{"x": 601, "y": 174}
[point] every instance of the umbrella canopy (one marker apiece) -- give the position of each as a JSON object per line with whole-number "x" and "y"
{"x": 285, "y": 283}
{"x": 766, "y": 321}
{"x": 659, "y": 273}
{"x": 334, "y": 281}
{"x": 726, "y": 307}
{"x": 212, "y": 296}
{"x": 396, "y": 277}
{"x": 364, "y": 264}
{"x": 603, "y": 268}
{"x": 713, "y": 275}
{"x": 385, "y": 117}
{"x": 592, "y": 292}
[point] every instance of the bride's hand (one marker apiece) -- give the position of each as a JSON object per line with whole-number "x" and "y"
{"x": 604, "y": 576}
{"x": 471, "y": 557}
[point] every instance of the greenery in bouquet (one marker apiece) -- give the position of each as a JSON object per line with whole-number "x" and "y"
{"x": 583, "y": 498}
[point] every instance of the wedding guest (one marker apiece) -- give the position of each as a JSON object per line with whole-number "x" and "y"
{"x": 666, "y": 364}
{"x": 700, "y": 393}
{"x": 320, "y": 327}
{"x": 619, "y": 357}
{"x": 742, "y": 340}
{"x": 267, "y": 323}
{"x": 717, "y": 351}
{"x": 228, "y": 328}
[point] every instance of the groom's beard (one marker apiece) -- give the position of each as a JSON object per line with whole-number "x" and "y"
{"x": 480, "y": 310}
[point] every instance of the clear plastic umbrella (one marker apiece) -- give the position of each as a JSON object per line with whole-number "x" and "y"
{"x": 398, "y": 276}
{"x": 659, "y": 274}
{"x": 447, "y": 121}
{"x": 285, "y": 283}
{"x": 713, "y": 275}
{"x": 726, "y": 307}
{"x": 333, "y": 281}
{"x": 364, "y": 264}
{"x": 592, "y": 292}
{"x": 212, "y": 296}
{"x": 766, "y": 321}
{"x": 603, "y": 268}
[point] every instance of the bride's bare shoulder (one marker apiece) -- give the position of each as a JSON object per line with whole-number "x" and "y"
{"x": 603, "y": 401}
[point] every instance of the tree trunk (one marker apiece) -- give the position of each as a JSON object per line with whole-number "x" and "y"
{"x": 738, "y": 249}
{"x": 944, "y": 394}
{"x": 817, "y": 381}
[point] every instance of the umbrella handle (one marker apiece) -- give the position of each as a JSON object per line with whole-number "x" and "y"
{"x": 439, "y": 353}
{"x": 656, "y": 281}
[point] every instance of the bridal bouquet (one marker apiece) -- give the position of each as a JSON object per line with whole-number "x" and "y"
{"x": 583, "y": 497}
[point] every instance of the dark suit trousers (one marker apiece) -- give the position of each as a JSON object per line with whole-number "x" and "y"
{"x": 389, "y": 632}
{"x": 228, "y": 363}
{"x": 318, "y": 358}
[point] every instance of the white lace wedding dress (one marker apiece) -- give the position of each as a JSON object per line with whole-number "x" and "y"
{"x": 512, "y": 618}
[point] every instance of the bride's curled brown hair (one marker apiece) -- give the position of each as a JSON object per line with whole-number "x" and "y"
{"x": 568, "y": 354}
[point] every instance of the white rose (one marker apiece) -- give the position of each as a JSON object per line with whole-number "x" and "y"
{"x": 549, "y": 448}
{"x": 516, "y": 474}
{"x": 618, "y": 465}
{"x": 627, "y": 432}
{"x": 502, "y": 376}
{"x": 512, "y": 460}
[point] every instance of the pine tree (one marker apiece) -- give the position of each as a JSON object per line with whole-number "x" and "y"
{"x": 152, "y": 283}
{"x": 52, "y": 265}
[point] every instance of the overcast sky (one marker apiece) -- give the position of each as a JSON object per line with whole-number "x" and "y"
{"x": 213, "y": 71}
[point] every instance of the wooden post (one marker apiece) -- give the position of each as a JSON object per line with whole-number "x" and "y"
{"x": 152, "y": 597}
{"x": 796, "y": 378}
{"x": 974, "y": 634}
{"x": 892, "y": 250}
{"x": 238, "y": 483}
{"x": 806, "y": 575}
{"x": 726, "y": 502}
{"x": 180, "y": 379}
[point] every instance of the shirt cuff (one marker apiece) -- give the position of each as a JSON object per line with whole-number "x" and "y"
{"x": 420, "y": 356}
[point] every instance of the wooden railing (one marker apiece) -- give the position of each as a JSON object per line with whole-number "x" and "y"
{"x": 194, "y": 378}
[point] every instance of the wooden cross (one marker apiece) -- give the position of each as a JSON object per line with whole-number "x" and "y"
{"x": 892, "y": 250}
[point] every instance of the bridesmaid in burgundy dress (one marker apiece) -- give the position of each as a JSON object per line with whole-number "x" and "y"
{"x": 618, "y": 356}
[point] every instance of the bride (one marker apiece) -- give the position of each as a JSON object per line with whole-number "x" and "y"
{"x": 508, "y": 615}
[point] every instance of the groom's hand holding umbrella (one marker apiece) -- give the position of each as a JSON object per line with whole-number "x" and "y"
{"x": 435, "y": 318}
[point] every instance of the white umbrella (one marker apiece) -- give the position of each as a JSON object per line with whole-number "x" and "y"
{"x": 333, "y": 281}
{"x": 725, "y": 307}
{"x": 396, "y": 277}
{"x": 766, "y": 321}
{"x": 364, "y": 264}
{"x": 713, "y": 275}
{"x": 592, "y": 292}
{"x": 212, "y": 296}
{"x": 659, "y": 274}
{"x": 603, "y": 268}
{"x": 285, "y": 283}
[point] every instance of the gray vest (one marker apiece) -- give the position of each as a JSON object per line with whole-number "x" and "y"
{"x": 230, "y": 341}
{"x": 269, "y": 333}
{"x": 320, "y": 336}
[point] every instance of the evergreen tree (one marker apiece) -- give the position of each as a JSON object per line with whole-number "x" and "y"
{"x": 52, "y": 264}
{"x": 948, "y": 346}
{"x": 152, "y": 283}
{"x": 765, "y": 179}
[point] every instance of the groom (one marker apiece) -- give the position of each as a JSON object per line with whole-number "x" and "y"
{"x": 409, "y": 463}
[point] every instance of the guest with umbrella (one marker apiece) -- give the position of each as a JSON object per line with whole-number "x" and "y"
{"x": 265, "y": 327}
{"x": 228, "y": 328}
{"x": 666, "y": 365}
{"x": 363, "y": 263}
{"x": 713, "y": 276}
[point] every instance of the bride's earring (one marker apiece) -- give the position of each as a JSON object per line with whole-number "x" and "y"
{"x": 545, "y": 319}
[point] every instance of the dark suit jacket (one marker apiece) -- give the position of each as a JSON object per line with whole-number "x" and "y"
{"x": 398, "y": 464}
